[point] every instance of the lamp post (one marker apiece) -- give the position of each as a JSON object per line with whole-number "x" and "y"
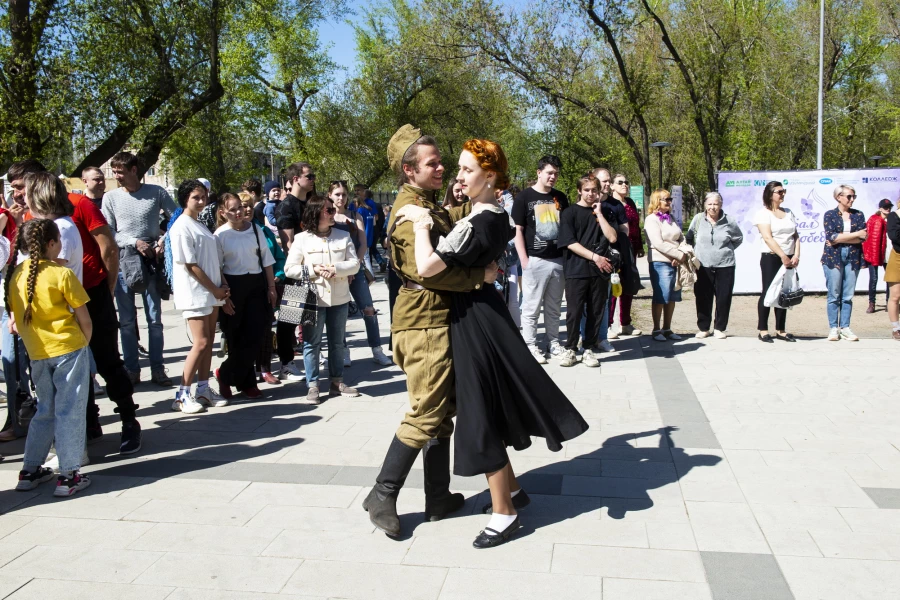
{"x": 660, "y": 146}
{"x": 821, "y": 90}
{"x": 876, "y": 159}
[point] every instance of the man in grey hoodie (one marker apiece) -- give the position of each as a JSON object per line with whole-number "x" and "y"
{"x": 714, "y": 237}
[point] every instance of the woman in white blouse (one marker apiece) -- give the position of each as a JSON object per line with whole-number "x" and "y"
{"x": 780, "y": 247}
{"x": 330, "y": 259}
{"x": 663, "y": 238}
{"x": 248, "y": 272}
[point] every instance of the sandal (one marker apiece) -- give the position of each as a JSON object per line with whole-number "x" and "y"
{"x": 658, "y": 335}
{"x": 671, "y": 334}
{"x": 500, "y": 537}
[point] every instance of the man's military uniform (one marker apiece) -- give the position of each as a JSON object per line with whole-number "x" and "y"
{"x": 421, "y": 324}
{"x": 421, "y": 343}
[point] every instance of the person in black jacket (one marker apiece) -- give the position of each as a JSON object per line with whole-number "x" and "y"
{"x": 892, "y": 272}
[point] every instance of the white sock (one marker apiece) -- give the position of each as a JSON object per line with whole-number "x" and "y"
{"x": 202, "y": 386}
{"x": 182, "y": 390}
{"x": 499, "y": 523}
{"x": 513, "y": 494}
{"x": 895, "y": 325}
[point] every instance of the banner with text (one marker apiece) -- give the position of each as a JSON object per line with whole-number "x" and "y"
{"x": 809, "y": 195}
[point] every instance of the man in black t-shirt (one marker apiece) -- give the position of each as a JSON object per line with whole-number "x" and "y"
{"x": 585, "y": 233}
{"x": 536, "y": 212}
{"x": 300, "y": 182}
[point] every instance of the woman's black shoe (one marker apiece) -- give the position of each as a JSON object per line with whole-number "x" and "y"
{"x": 786, "y": 337}
{"x": 520, "y": 501}
{"x": 765, "y": 338}
{"x": 500, "y": 537}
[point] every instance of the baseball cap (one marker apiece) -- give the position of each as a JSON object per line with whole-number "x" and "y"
{"x": 885, "y": 204}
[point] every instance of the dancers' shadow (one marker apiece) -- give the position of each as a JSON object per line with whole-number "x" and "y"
{"x": 618, "y": 476}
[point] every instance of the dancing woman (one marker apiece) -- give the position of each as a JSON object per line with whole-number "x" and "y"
{"x": 502, "y": 398}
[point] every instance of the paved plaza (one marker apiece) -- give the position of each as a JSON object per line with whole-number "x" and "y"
{"x": 712, "y": 470}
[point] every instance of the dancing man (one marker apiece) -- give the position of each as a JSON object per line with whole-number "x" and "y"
{"x": 421, "y": 343}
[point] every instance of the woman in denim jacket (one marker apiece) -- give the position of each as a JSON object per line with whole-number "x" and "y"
{"x": 845, "y": 231}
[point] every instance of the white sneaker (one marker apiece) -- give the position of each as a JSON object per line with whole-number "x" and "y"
{"x": 719, "y": 335}
{"x": 589, "y": 360}
{"x": 188, "y": 405}
{"x": 568, "y": 358}
{"x": 604, "y": 346}
{"x": 613, "y": 334}
{"x": 834, "y": 334}
{"x": 849, "y": 335}
{"x": 379, "y": 357}
{"x": 556, "y": 349}
{"x": 292, "y": 372}
{"x": 346, "y": 357}
{"x": 701, "y": 334}
{"x": 210, "y": 397}
{"x": 538, "y": 355}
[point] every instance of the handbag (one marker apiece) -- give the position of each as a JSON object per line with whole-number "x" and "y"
{"x": 793, "y": 295}
{"x": 299, "y": 303}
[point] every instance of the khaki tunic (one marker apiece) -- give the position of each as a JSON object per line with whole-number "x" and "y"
{"x": 421, "y": 325}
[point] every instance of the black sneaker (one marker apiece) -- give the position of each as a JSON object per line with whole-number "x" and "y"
{"x": 67, "y": 486}
{"x": 29, "y": 481}
{"x": 94, "y": 434}
{"x": 131, "y": 438}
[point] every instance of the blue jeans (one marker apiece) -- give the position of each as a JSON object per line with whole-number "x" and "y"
{"x": 873, "y": 284}
{"x": 9, "y": 370}
{"x": 128, "y": 324}
{"x": 62, "y": 389}
{"x": 335, "y": 319}
{"x": 359, "y": 289}
{"x": 841, "y": 283}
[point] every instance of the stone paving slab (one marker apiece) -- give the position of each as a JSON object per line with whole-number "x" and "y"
{"x": 713, "y": 470}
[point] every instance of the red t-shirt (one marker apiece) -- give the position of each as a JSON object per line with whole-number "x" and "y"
{"x": 87, "y": 218}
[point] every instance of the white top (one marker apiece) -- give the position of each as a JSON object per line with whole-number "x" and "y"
{"x": 192, "y": 243}
{"x": 71, "y": 251}
{"x": 337, "y": 249}
{"x": 783, "y": 230}
{"x": 241, "y": 250}
{"x": 847, "y": 225}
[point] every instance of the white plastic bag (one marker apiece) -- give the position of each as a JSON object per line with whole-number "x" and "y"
{"x": 786, "y": 280}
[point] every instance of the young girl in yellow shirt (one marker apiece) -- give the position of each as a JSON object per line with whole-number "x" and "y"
{"x": 48, "y": 305}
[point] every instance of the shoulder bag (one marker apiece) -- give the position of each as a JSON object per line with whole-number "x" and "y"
{"x": 299, "y": 303}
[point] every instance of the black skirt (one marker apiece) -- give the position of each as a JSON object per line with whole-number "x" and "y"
{"x": 503, "y": 396}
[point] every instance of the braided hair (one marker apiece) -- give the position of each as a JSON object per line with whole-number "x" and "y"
{"x": 33, "y": 237}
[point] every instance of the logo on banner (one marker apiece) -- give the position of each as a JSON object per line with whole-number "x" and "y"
{"x": 739, "y": 183}
{"x": 759, "y": 182}
{"x": 825, "y": 181}
{"x": 879, "y": 179}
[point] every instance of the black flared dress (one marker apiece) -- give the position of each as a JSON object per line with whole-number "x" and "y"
{"x": 503, "y": 396}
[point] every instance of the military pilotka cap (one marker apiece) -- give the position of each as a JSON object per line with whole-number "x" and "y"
{"x": 400, "y": 142}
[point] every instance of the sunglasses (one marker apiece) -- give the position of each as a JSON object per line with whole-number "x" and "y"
{"x": 849, "y": 196}
{"x": 342, "y": 182}
{"x": 621, "y": 183}
{"x": 331, "y": 210}
{"x": 310, "y": 176}
{"x": 780, "y": 192}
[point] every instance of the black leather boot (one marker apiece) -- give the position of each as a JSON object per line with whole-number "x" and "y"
{"x": 439, "y": 502}
{"x": 381, "y": 503}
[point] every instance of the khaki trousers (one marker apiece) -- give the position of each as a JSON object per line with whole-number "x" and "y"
{"x": 426, "y": 358}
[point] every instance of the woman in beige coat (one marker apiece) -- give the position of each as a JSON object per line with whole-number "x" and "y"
{"x": 329, "y": 258}
{"x": 663, "y": 238}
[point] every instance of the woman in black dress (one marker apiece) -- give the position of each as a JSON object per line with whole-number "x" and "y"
{"x": 503, "y": 397}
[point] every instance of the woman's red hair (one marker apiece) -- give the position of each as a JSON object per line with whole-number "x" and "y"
{"x": 491, "y": 158}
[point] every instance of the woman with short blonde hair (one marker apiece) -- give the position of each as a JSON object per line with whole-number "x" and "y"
{"x": 663, "y": 238}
